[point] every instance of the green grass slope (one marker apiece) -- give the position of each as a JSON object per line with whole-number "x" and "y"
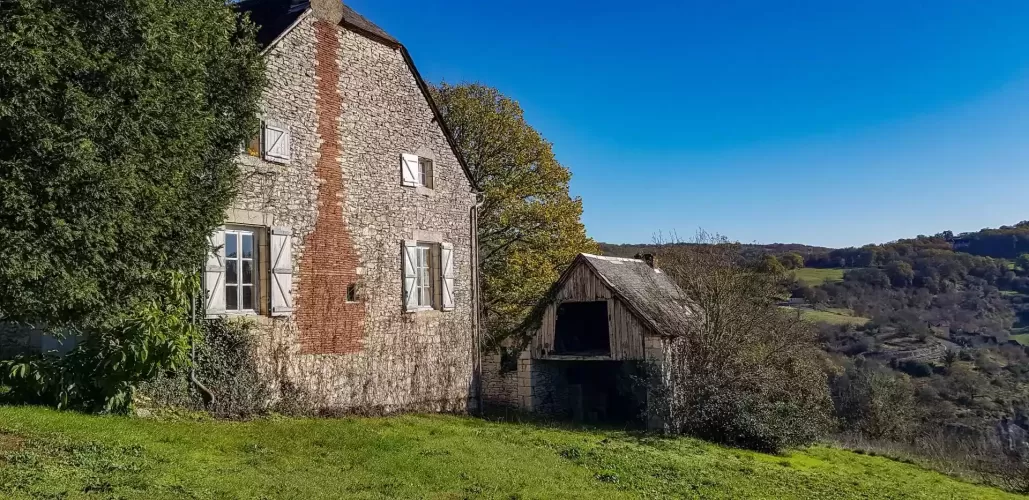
{"x": 833, "y": 316}
{"x": 815, "y": 276}
{"x": 49, "y": 454}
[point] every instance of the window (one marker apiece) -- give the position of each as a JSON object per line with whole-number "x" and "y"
{"x": 428, "y": 276}
{"x": 352, "y": 292}
{"x": 240, "y": 271}
{"x": 275, "y": 142}
{"x": 423, "y": 276}
{"x": 425, "y": 172}
{"x": 234, "y": 283}
{"x": 415, "y": 171}
{"x": 272, "y": 143}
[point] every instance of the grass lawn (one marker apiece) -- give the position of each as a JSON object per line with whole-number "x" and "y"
{"x": 1021, "y": 338}
{"x": 815, "y": 276}
{"x": 49, "y": 454}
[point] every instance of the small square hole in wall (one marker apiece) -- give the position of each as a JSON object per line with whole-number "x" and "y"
{"x": 352, "y": 292}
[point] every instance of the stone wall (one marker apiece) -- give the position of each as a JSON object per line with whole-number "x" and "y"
{"x": 353, "y": 107}
{"x": 535, "y": 385}
{"x": 499, "y": 387}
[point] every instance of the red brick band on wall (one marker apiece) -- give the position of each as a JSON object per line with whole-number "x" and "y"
{"x": 328, "y": 323}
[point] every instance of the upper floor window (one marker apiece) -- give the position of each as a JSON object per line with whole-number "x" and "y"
{"x": 416, "y": 171}
{"x": 272, "y": 143}
{"x": 275, "y": 142}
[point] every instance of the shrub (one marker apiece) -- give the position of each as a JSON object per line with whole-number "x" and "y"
{"x": 915, "y": 368}
{"x": 225, "y": 363}
{"x": 742, "y": 371}
{"x": 100, "y": 374}
{"x": 875, "y": 401}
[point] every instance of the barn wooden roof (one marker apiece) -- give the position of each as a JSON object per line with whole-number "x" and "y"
{"x": 650, "y": 293}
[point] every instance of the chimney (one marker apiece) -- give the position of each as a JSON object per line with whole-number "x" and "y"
{"x": 330, "y": 11}
{"x": 648, "y": 258}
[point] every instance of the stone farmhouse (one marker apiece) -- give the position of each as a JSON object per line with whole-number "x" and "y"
{"x": 605, "y": 325}
{"x": 351, "y": 242}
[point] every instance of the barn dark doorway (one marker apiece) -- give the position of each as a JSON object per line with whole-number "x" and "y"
{"x": 597, "y": 392}
{"x": 582, "y": 329}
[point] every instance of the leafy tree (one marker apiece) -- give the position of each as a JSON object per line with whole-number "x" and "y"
{"x": 1022, "y": 261}
{"x": 120, "y": 122}
{"x": 792, "y": 260}
{"x": 771, "y": 265}
{"x": 901, "y": 274}
{"x": 529, "y": 225}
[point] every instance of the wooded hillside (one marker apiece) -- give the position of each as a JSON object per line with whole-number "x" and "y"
{"x": 925, "y": 335}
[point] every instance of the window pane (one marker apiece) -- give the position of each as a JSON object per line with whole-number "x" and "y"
{"x": 230, "y": 272}
{"x": 248, "y": 297}
{"x": 423, "y": 296}
{"x": 231, "y": 298}
{"x": 230, "y": 245}
{"x": 248, "y": 246}
{"x": 248, "y": 272}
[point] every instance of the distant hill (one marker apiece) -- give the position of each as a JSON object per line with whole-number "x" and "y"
{"x": 750, "y": 250}
{"x": 1005, "y": 242}
{"x": 941, "y": 320}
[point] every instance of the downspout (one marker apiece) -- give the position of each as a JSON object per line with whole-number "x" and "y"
{"x": 480, "y": 198}
{"x": 205, "y": 394}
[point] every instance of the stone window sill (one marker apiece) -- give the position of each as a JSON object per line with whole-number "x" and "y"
{"x": 417, "y": 310}
{"x": 237, "y": 314}
{"x": 424, "y": 191}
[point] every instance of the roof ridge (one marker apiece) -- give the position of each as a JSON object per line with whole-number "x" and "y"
{"x": 607, "y": 257}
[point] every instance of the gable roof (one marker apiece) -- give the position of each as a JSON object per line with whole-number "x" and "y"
{"x": 649, "y": 293}
{"x": 275, "y": 18}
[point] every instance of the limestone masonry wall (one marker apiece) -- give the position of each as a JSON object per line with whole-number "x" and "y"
{"x": 353, "y": 106}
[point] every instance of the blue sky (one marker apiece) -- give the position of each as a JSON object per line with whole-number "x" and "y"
{"x": 823, "y": 122}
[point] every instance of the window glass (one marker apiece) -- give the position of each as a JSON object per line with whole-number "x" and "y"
{"x": 248, "y": 298}
{"x": 423, "y": 283}
{"x": 425, "y": 172}
{"x": 248, "y": 245}
{"x": 231, "y": 245}
{"x": 240, "y": 273}
{"x": 231, "y": 276}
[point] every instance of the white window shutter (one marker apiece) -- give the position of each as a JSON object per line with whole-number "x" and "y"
{"x": 282, "y": 271}
{"x": 446, "y": 261}
{"x": 410, "y": 274}
{"x": 214, "y": 274}
{"x": 276, "y": 142}
{"x": 409, "y": 169}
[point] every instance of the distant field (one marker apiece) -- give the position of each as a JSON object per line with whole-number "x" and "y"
{"x": 832, "y": 316}
{"x": 1021, "y": 338}
{"x": 814, "y": 276}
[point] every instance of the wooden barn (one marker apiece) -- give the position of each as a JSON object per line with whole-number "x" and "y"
{"x": 605, "y": 324}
